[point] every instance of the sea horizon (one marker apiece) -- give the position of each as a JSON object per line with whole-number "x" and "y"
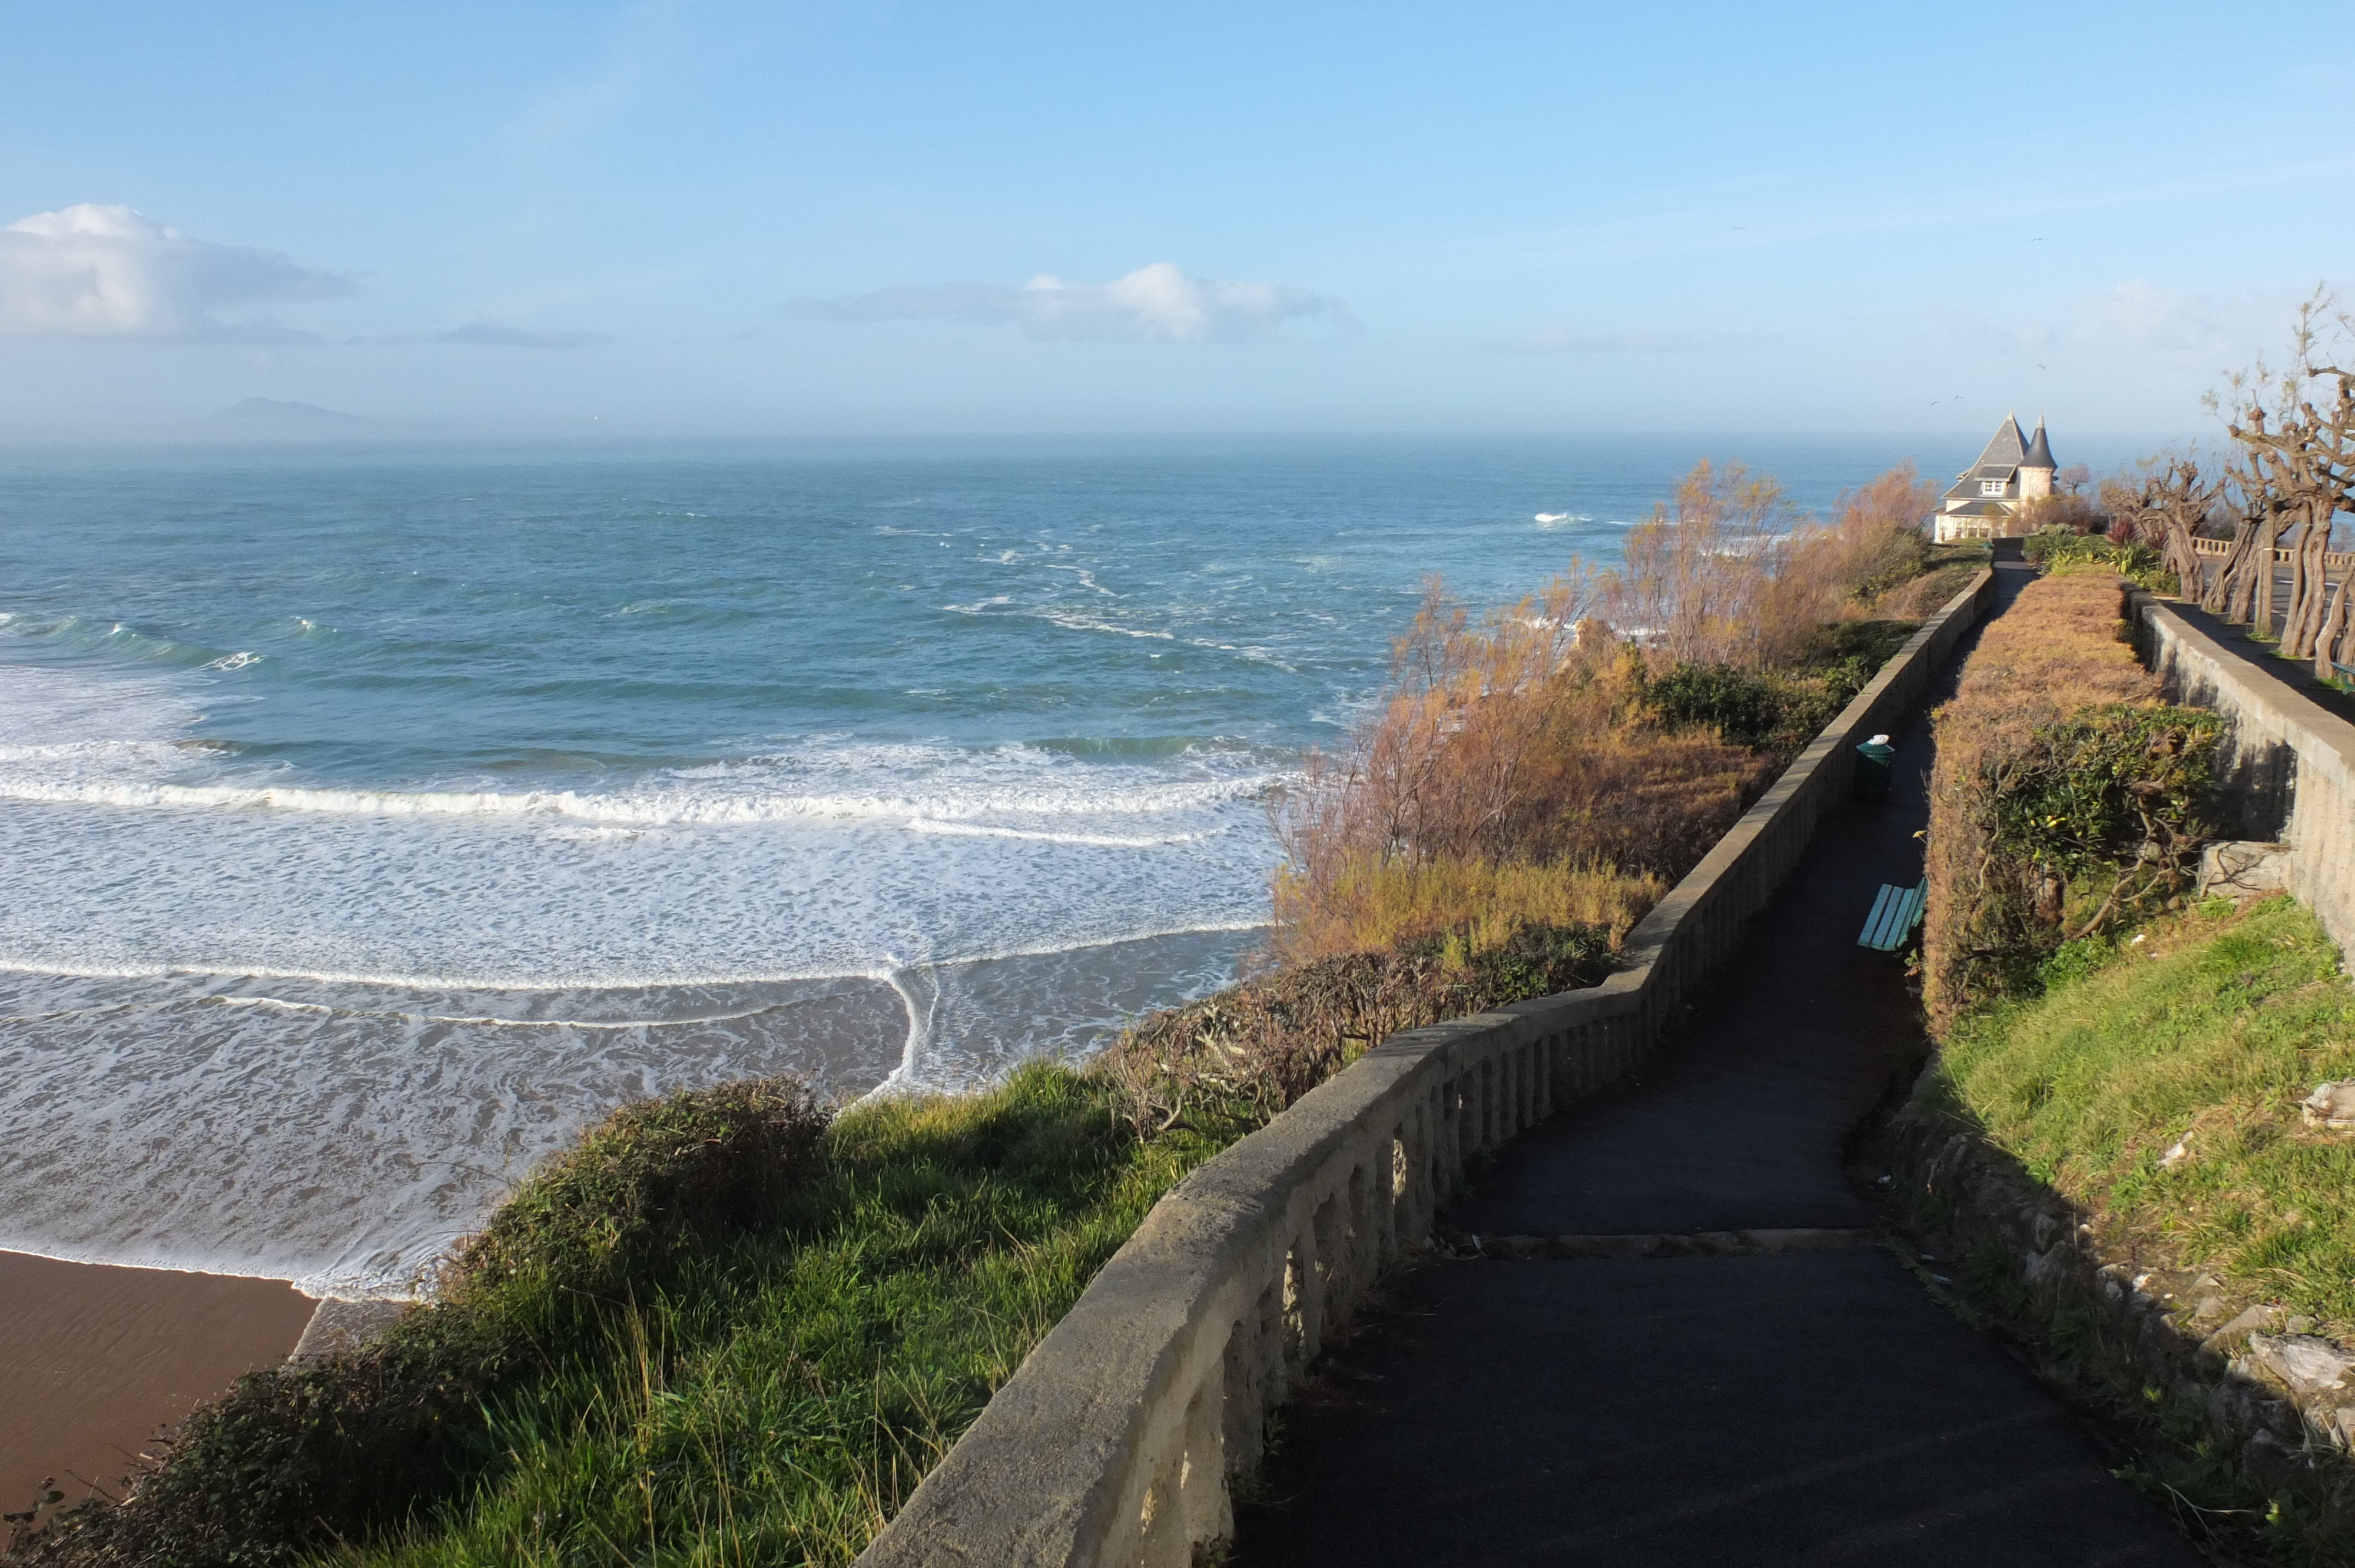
{"x": 382, "y": 816}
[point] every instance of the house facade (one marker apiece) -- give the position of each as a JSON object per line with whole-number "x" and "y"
{"x": 1985, "y": 501}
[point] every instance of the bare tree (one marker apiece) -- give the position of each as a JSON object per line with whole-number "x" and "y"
{"x": 2166, "y": 505}
{"x": 2295, "y": 470}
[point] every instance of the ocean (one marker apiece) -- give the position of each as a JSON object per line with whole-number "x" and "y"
{"x": 373, "y": 818}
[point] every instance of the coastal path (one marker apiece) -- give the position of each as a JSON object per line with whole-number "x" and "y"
{"x": 1803, "y": 1400}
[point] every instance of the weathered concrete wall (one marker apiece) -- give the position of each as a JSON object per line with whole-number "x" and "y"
{"x": 2291, "y": 762}
{"x": 1113, "y": 1443}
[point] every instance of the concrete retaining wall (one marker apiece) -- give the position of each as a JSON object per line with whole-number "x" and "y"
{"x": 2291, "y": 762}
{"x": 1113, "y": 1443}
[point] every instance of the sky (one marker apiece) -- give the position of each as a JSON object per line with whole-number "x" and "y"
{"x": 707, "y": 218}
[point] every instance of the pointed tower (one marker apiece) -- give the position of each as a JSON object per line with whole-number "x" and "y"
{"x": 2036, "y": 468}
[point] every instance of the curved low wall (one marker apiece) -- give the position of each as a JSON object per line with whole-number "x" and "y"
{"x": 2289, "y": 759}
{"x": 1113, "y": 1443}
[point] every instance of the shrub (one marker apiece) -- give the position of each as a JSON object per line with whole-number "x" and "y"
{"x": 1778, "y": 712}
{"x": 1726, "y": 572}
{"x": 1745, "y": 708}
{"x": 1703, "y": 579}
{"x": 655, "y": 1178}
{"x": 292, "y": 1459}
{"x": 1876, "y": 542}
{"x": 2063, "y": 513}
{"x": 2065, "y": 798}
{"x": 2063, "y": 549}
{"x": 1251, "y": 1050}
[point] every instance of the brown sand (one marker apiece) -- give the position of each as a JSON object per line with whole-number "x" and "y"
{"x": 93, "y": 1359}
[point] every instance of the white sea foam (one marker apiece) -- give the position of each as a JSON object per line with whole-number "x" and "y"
{"x": 1088, "y": 623}
{"x": 620, "y": 810}
{"x": 1098, "y": 840}
{"x": 369, "y": 1126}
{"x": 259, "y": 1022}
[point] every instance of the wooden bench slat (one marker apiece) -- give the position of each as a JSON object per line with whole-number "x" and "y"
{"x": 1895, "y": 912}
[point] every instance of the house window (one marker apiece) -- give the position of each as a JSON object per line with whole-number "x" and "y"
{"x": 1991, "y": 487}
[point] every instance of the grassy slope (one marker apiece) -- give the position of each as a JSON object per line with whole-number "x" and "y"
{"x": 2215, "y": 1025}
{"x": 780, "y": 1399}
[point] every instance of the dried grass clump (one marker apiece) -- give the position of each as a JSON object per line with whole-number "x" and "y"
{"x": 2064, "y": 796}
{"x": 1374, "y": 904}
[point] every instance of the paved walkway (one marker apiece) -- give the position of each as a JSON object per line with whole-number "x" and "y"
{"x": 1814, "y": 1407}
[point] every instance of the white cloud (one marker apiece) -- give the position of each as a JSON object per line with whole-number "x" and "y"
{"x": 1570, "y": 340}
{"x": 2142, "y": 318}
{"x": 2147, "y": 319}
{"x": 1154, "y": 304}
{"x": 95, "y": 271}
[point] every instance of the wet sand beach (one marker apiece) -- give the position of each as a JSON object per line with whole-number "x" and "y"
{"x": 94, "y": 1359}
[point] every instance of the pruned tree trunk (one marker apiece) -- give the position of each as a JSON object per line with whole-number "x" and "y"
{"x": 2294, "y": 609}
{"x": 2311, "y": 599}
{"x": 2333, "y": 631}
{"x": 2216, "y": 599}
{"x": 2261, "y": 603}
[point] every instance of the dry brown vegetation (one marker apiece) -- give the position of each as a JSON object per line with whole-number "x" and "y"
{"x": 2054, "y": 753}
{"x": 1536, "y": 779}
{"x": 1519, "y": 742}
{"x": 1518, "y": 774}
{"x": 1727, "y": 572}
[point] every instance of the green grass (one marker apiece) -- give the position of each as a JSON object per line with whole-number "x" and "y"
{"x": 723, "y": 1328}
{"x": 776, "y": 1402}
{"x": 2211, "y": 1030}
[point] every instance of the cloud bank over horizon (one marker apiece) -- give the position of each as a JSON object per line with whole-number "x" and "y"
{"x": 491, "y": 334}
{"x": 1156, "y": 303}
{"x": 102, "y": 270}
{"x": 1669, "y": 339}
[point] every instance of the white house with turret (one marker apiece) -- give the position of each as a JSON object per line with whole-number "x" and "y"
{"x": 1985, "y": 501}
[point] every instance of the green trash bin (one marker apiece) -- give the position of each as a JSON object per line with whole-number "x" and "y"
{"x": 1875, "y": 761}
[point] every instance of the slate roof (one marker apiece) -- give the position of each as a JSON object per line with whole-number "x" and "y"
{"x": 2002, "y": 459}
{"x": 2039, "y": 451}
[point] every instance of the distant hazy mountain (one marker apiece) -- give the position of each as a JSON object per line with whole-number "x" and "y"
{"x": 274, "y": 418}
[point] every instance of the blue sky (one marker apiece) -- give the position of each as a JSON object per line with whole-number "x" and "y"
{"x": 718, "y": 218}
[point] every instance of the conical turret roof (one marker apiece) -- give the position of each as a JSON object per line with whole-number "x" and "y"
{"x": 2039, "y": 451}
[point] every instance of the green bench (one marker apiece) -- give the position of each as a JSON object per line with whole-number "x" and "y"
{"x": 1895, "y": 912}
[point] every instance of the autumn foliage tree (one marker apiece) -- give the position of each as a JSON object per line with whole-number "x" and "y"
{"x": 1517, "y": 773}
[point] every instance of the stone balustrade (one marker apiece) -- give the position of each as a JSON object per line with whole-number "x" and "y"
{"x": 2289, "y": 766}
{"x": 1113, "y": 1445}
{"x": 2217, "y": 549}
